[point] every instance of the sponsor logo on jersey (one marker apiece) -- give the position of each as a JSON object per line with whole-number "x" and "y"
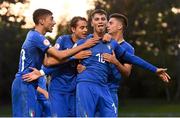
{"x": 46, "y": 42}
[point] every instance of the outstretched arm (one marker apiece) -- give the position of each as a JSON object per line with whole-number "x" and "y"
{"x": 121, "y": 53}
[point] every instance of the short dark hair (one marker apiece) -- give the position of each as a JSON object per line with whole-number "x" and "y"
{"x": 120, "y": 17}
{"x": 39, "y": 13}
{"x": 98, "y": 11}
{"x": 74, "y": 20}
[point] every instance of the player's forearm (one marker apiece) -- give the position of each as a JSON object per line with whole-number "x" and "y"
{"x": 60, "y": 55}
{"x": 51, "y": 61}
{"x": 122, "y": 69}
{"x": 40, "y": 90}
{"x": 139, "y": 62}
{"x": 72, "y": 51}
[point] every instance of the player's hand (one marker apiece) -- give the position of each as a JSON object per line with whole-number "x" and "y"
{"x": 35, "y": 74}
{"x": 83, "y": 54}
{"x": 91, "y": 42}
{"x": 80, "y": 68}
{"x": 161, "y": 72}
{"x": 107, "y": 37}
{"x": 46, "y": 94}
{"x": 111, "y": 58}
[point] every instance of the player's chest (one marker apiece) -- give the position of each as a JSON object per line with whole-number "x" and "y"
{"x": 101, "y": 48}
{"x": 67, "y": 45}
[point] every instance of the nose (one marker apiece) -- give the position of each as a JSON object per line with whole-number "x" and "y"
{"x": 85, "y": 29}
{"x": 54, "y": 22}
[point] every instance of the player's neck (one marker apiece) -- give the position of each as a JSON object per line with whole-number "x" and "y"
{"x": 74, "y": 38}
{"x": 118, "y": 36}
{"x": 40, "y": 30}
{"x": 98, "y": 35}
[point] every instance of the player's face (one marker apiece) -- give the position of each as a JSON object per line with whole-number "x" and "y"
{"x": 48, "y": 23}
{"x": 113, "y": 26}
{"x": 99, "y": 23}
{"x": 80, "y": 31}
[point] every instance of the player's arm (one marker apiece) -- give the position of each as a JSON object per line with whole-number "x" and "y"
{"x": 121, "y": 53}
{"x": 42, "y": 91}
{"x": 124, "y": 69}
{"x": 62, "y": 54}
{"x": 50, "y": 61}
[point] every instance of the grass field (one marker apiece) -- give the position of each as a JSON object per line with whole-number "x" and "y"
{"x": 133, "y": 108}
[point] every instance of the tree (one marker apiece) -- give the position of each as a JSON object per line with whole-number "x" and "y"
{"x": 11, "y": 38}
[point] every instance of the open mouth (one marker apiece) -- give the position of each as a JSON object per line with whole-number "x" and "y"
{"x": 100, "y": 26}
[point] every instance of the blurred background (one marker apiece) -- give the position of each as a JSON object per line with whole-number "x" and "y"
{"x": 153, "y": 30}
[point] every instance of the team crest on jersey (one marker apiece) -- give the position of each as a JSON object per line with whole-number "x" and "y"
{"x": 46, "y": 42}
{"x": 57, "y": 46}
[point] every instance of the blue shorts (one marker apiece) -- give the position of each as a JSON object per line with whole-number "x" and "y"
{"x": 24, "y": 99}
{"x": 91, "y": 97}
{"x": 44, "y": 108}
{"x": 62, "y": 104}
{"x": 115, "y": 99}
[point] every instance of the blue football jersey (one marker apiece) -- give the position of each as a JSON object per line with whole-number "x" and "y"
{"x": 42, "y": 84}
{"x": 97, "y": 70}
{"x": 113, "y": 82}
{"x": 64, "y": 76}
{"x": 32, "y": 52}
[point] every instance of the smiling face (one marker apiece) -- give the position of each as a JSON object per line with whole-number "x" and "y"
{"x": 99, "y": 22}
{"x": 80, "y": 30}
{"x": 48, "y": 23}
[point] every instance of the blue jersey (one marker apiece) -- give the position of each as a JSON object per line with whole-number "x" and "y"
{"x": 41, "y": 84}
{"x": 32, "y": 52}
{"x": 64, "y": 75}
{"x": 113, "y": 82}
{"x": 97, "y": 70}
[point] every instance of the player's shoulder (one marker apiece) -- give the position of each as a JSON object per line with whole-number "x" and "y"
{"x": 127, "y": 46}
{"x": 113, "y": 42}
{"x": 63, "y": 37}
{"x": 34, "y": 34}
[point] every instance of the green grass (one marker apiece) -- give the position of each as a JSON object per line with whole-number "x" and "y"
{"x": 133, "y": 108}
{"x": 145, "y": 108}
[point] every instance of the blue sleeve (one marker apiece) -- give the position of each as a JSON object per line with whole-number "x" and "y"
{"x": 59, "y": 43}
{"x": 139, "y": 62}
{"x": 119, "y": 51}
{"x": 42, "y": 82}
{"x": 49, "y": 70}
{"x": 41, "y": 42}
{"x": 130, "y": 50}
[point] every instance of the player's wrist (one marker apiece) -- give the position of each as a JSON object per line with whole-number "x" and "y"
{"x": 42, "y": 73}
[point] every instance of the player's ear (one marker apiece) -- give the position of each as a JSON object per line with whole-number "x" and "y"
{"x": 73, "y": 29}
{"x": 41, "y": 21}
{"x": 120, "y": 26}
